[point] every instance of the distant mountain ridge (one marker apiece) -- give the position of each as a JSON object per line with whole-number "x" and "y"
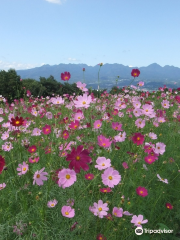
{"x": 151, "y": 75}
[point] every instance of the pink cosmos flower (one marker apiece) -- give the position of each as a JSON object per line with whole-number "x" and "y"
{"x": 118, "y": 212}
{"x": 103, "y": 141}
{"x": 160, "y": 148}
{"x": 120, "y": 137}
{"x": 162, "y": 179}
{"x": 125, "y": 165}
{"x": 70, "y": 202}
{"x": 147, "y": 109}
{"x": 97, "y": 124}
{"x": 140, "y": 123}
{"x": 82, "y": 86}
{"x": 39, "y": 177}
{"x": 165, "y": 104}
{"x": 7, "y": 146}
{"x": 36, "y": 132}
{"x": 116, "y": 126}
{"x": 23, "y": 168}
{"x": 103, "y": 163}
{"x": 83, "y": 101}
{"x": 57, "y": 100}
{"x": 152, "y": 135}
{"x": 141, "y": 191}
{"x": 5, "y": 136}
{"x": 141, "y": 84}
{"x": 2, "y": 185}
{"x": 138, "y": 220}
{"x": 111, "y": 177}
{"x": 137, "y": 104}
{"x": 137, "y": 112}
{"x": 78, "y": 116}
{"x": 67, "y": 177}
{"x": 68, "y": 212}
{"x": 99, "y": 209}
{"x": 52, "y": 203}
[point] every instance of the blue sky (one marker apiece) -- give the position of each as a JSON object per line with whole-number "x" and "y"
{"x": 134, "y": 33}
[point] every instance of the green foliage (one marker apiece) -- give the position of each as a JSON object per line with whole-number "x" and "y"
{"x": 10, "y": 85}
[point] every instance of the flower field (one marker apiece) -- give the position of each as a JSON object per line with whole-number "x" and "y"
{"x": 80, "y": 167}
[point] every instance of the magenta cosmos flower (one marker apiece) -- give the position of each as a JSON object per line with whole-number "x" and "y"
{"x": 141, "y": 191}
{"x": 2, "y": 163}
{"x": 47, "y": 129}
{"x": 169, "y": 206}
{"x": 138, "y": 138}
{"x": 79, "y": 159}
{"x": 65, "y": 76}
{"x": 135, "y": 73}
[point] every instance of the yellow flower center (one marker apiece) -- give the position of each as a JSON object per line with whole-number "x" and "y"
{"x": 115, "y": 213}
{"x": 52, "y": 204}
{"x": 110, "y": 178}
{"x": 141, "y": 191}
{"x": 138, "y": 138}
{"x": 17, "y": 122}
{"x": 38, "y": 176}
{"x": 100, "y": 209}
{"x": 68, "y": 176}
{"x": 84, "y": 102}
{"x": 24, "y": 169}
{"x": 104, "y": 144}
{"x": 66, "y": 213}
{"x": 139, "y": 222}
{"x": 103, "y": 164}
{"x": 77, "y": 158}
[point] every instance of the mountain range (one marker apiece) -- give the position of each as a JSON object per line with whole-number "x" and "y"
{"x": 153, "y": 76}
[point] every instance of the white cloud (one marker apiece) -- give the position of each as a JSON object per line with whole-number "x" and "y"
{"x": 72, "y": 59}
{"x": 17, "y": 66}
{"x": 55, "y": 1}
{"x": 130, "y": 66}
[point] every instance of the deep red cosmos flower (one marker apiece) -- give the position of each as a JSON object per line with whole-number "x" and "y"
{"x": 17, "y": 121}
{"x": 79, "y": 159}
{"x": 65, "y": 76}
{"x": 135, "y": 73}
{"x": 2, "y": 163}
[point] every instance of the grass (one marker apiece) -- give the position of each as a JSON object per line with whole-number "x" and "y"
{"x": 26, "y": 203}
